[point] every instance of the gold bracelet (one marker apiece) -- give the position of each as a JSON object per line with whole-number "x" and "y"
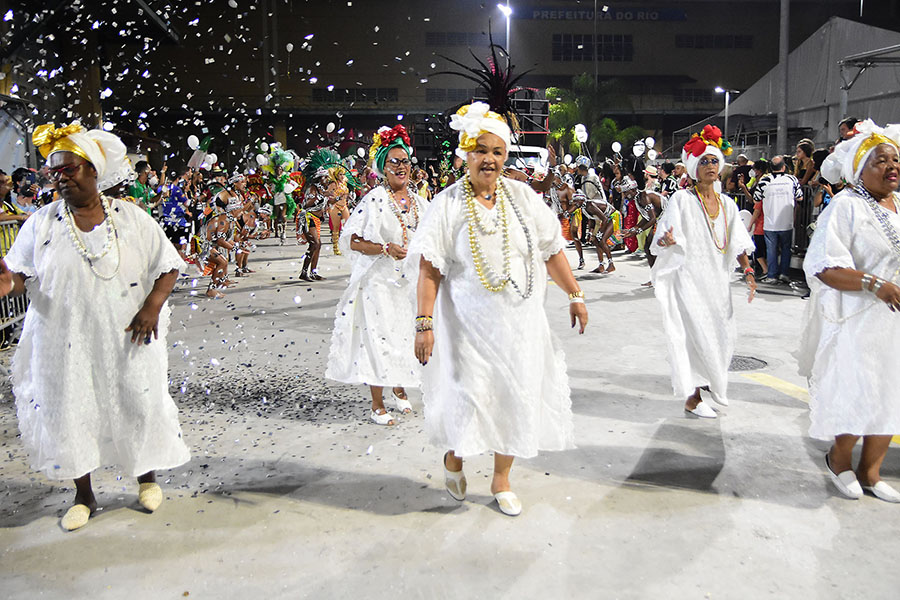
{"x": 578, "y": 294}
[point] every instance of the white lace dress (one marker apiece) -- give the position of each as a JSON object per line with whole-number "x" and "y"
{"x": 692, "y": 280}
{"x": 374, "y": 326}
{"x": 497, "y": 379}
{"x": 851, "y": 340}
{"x": 86, "y": 396}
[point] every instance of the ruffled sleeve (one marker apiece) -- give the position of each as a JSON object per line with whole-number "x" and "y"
{"x": 20, "y": 258}
{"x": 161, "y": 255}
{"x": 433, "y": 240}
{"x": 670, "y": 258}
{"x": 366, "y": 221}
{"x": 548, "y": 231}
{"x": 829, "y": 247}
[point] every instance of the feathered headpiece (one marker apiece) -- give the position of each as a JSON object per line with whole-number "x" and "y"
{"x": 850, "y": 156}
{"x": 278, "y": 158}
{"x": 383, "y": 141}
{"x": 321, "y": 161}
{"x": 498, "y": 83}
{"x": 708, "y": 141}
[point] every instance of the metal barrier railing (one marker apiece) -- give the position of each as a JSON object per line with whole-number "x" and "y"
{"x": 12, "y": 310}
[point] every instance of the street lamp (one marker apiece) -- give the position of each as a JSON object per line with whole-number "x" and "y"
{"x": 728, "y": 93}
{"x": 507, "y": 12}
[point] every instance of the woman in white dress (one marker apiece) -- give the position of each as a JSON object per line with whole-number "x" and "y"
{"x": 374, "y": 326}
{"x": 697, "y": 240}
{"x": 852, "y": 334}
{"x": 496, "y": 380}
{"x": 90, "y": 373}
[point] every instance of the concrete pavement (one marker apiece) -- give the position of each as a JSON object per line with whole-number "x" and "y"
{"x": 292, "y": 493}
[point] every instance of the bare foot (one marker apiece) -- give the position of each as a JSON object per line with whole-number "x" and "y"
{"x": 214, "y": 293}
{"x": 610, "y": 268}
{"x": 598, "y": 269}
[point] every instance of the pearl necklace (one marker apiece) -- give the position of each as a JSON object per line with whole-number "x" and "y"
{"x": 112, "y": 236}
{"x": 483, "y": 269}
{"x": 398, "y": 212}
{"x": 710, "y": 222}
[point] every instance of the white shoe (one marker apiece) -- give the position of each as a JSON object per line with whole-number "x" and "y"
{"x": 150, "y": 496}
{"x": 721, "y": 400}
{"x": 454, "y": 481}
{"x": 509, "y": 503}
{"x": 401, "y": 404}
{"x": 883, "y": 491}
{"x": 845, "y": 482}
{"x": 384, "y": 418}
{"x": 703, "y": 410}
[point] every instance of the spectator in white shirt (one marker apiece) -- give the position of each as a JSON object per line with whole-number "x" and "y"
{"x": 778, "y": 191}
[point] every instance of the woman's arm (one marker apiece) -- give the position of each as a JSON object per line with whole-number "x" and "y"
{"x": 853, "y": 280}
{"x": 561, "y": 273}
{"x": 426, "y": 295}
{"x": 752, "y": 223}
{"x": 362, "y": 246}
{"x": 11, "y": 284}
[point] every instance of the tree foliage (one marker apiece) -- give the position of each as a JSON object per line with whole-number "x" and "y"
{"x": 586, "y": 102}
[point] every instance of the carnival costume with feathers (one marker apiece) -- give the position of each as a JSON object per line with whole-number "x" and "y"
{"x": 281, "y": 184}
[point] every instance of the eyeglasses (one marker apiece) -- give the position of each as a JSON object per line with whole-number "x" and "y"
{"x": 400, "y": 161}
{"x": 709, "y": 161}
{"x": 67, "y": 170}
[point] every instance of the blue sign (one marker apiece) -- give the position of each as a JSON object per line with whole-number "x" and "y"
{"x": 617, "y": 13}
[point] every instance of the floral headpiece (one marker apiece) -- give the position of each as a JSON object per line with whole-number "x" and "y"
{"x": 710, "y": 136}
{"x": 474, "y": 120}
{"x": 383, "y": 141}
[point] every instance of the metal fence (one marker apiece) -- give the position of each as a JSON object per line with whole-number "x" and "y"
{"x": 12, "y": 310}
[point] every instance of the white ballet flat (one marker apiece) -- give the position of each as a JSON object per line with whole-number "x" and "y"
{"x": 509, "y": 503}
{"x": 150, "y": 496}
{"x": 385, "y": 418}
{"x": 401, "y": 404}
{"x": 883, "y": 491}
{"x": 845, "y": 482}
{"x": 455, "y": 482}
{"x": 702, "y": 410}
{"x": 722, "y": 400}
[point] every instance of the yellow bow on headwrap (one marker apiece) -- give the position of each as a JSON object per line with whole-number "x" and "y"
{"x": 876, "y": 139}
{"x": 376, "y": 144}
{"x": 49, "y": 139}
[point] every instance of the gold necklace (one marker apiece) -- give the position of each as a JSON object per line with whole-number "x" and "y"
{"x": 710, "y": 221}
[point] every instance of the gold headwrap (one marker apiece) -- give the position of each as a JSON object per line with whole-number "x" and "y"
{"x": 49, "y": 139}
{"x": 876, "y": 139}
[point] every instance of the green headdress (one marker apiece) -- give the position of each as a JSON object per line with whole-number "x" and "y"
{"x": 325, "y": 161}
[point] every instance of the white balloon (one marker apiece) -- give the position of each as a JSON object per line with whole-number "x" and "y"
{"x": 581, "y": 136}
{"x": 212, "y": 158}
{"x": 289, "y": 47}
{"x": 193, "y": 142}
{"x": 361, "y": 152}
{"x": 232, "y": 3}
{"x": 264, "y": 147}
{"x": 616, "y": 147}
{"x": 567, "y": 159}
{"x": 329, "y": 128}
{"x": 638, "y": 148}
{"x": 650, "y": 142}
{"x": 261, "y": 160}
{"x": 580, "y": 127}
{"x": 415, "y": 160}
{"x": 652, "y": 154}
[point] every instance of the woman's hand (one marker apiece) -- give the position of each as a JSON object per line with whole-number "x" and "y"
{"x": 144, "y": 324}
{"x": 6, "y": 280}
{"x": 578, "y": 311}
{"x": 425, "y": 344}
{"x": 668, "y": 239}
{"x": 889, "y": 294}
{"x": 396, "y": 251}
{"x": 751, "y": 283}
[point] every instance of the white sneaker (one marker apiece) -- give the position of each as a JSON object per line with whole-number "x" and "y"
{"x": 883, "y": 491}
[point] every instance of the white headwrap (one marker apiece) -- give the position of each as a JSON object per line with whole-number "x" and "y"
{"x": 104, "y": 150}
{"x": 691, "y": 162}
{"x": 850, "y": 156}
{"x": 474, "y": 120}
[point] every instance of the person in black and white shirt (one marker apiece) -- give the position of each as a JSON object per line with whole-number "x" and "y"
{"x": 778, "y": 191}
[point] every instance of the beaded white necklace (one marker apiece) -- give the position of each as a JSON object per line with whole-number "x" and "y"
{"x": 412, "y": 211}
{"x": 112, "y": 238}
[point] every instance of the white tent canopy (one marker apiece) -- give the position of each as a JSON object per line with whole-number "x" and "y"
{"x": 814, "y": 83}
